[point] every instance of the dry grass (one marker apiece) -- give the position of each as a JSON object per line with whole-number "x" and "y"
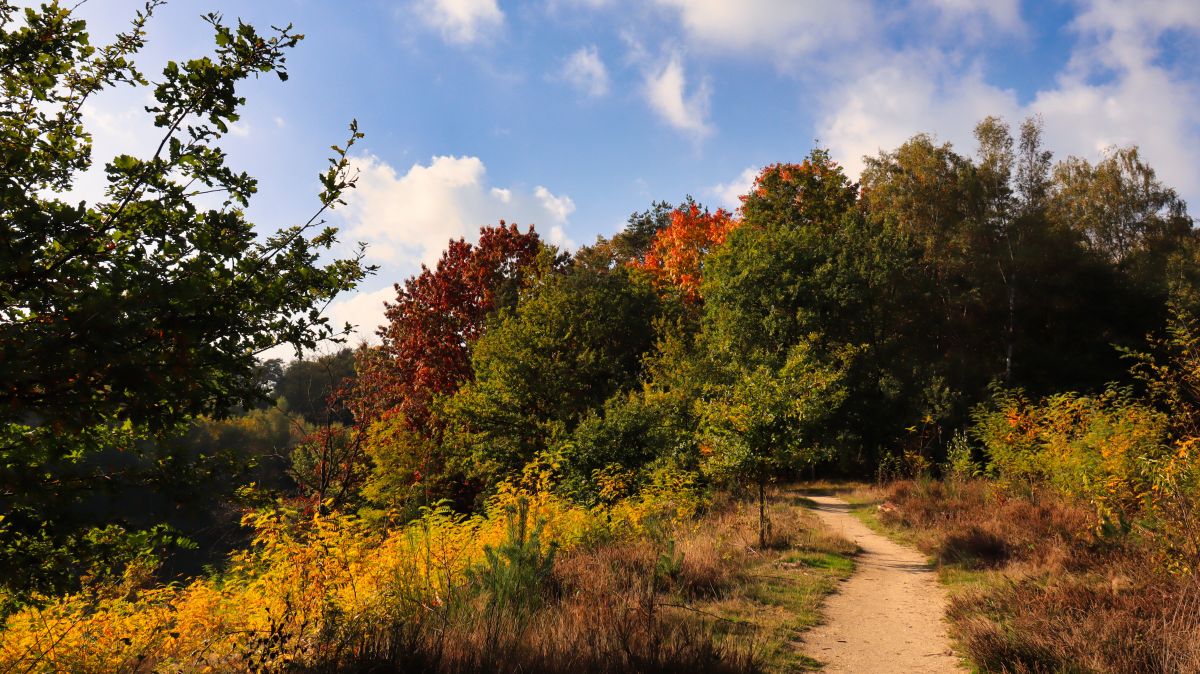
{"x": 977, "y": 525}
{"x": 1037, "y": 590}
{"x": 701, "y": 598}
{"x": 778, "y": 589}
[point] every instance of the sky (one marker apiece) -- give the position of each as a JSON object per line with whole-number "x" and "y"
{"x": 572, "y": 114}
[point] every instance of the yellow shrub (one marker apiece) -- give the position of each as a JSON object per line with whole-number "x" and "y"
{"x": 306, "y": 582}
{"x": 1106, "y": 449}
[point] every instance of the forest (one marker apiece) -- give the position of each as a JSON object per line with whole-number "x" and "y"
{"x": 566, "y": 460}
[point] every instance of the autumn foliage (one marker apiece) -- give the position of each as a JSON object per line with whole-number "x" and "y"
{"x": 317, "y": 592}
{"x": 814, "y": 192}
{"x": 677, "y": 254}
{"x": 435, "y": 319}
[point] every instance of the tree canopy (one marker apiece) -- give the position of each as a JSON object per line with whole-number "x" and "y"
{"x": 150, "y": 304}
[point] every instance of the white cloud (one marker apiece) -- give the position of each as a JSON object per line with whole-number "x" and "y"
{"x": 585, "y": 71}
{"x": 978, "y": 18}
{"x": 635, "y": 51}
{"x": 559, "y": 207}
{"x": 666, "y": 91}
{"x": 729, "y": 194}
{"x": 915, "y": 92}
{"x": 1125, "y": 34}
{"x": 557, "y": 236}
{"x": 363, "y": 310}
{"x": 407, "y": 219}
{"x": 1141, "y": 102}
{"x": 790, "y": 27}
{"x": 1113, "y": 91}
{"x": 412, "y": 216}
{"x": 119, "y": 125}
{"x": 240, "y": 129}
{"x": 460, "y": 21}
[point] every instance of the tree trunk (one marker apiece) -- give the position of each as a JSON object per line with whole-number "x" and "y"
{"x": 1011, "y": 336}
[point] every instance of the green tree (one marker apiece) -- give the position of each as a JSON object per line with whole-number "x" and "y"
{"x": 123, "y": 318}
{"x": 631, "y": 244}
{"x": 145, "y": 306}
{"x": 931, "y": 196}
{"x": 632, "y": 429}
{"x": 823, "y": 275}
{"x": 574, "y": 340}
{"x": 766, "y": 419}
{"x": 307, "y": 384}
{"x": 1118, "y": 205}
{"x": 814, "y": 192}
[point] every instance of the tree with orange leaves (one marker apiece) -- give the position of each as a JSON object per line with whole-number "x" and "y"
{"x": 813, "y": 192}
{"x": 676, "y": 257}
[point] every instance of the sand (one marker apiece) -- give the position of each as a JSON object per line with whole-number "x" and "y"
{"x": 887, "y": 618}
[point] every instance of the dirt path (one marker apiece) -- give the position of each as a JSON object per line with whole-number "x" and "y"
{"x": 887, "y": 618}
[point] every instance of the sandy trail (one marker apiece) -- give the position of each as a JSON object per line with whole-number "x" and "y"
{"x": 887, "y": 618}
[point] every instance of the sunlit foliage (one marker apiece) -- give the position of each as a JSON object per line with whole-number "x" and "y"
{"x": 676, "y": 256}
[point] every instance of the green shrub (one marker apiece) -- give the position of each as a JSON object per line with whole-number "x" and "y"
{"x": 514, "y": 574}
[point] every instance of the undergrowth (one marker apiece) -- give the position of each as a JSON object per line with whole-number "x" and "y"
{"x": 536, "y": 585}
{"x": 1039, "y": 585}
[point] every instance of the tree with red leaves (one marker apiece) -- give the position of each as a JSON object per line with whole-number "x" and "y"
{"x": 677, "y": 253}
{"x": 437, "y": 316}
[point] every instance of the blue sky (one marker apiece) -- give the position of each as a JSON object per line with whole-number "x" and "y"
{"x": 571, "y": 114}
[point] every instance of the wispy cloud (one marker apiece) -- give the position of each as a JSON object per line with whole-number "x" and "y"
{"x": 585, "y": 71}
{"x": 666, "y": 90}
{"x": 977, "y": 19}
{"x": 788, "y": 27}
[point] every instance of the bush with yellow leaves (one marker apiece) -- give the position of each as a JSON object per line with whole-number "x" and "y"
{"x": 1104, "y": 449}
{"x": 313, "y": 589}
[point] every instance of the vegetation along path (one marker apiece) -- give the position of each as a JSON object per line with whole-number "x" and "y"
{"x": 887, "y": 617}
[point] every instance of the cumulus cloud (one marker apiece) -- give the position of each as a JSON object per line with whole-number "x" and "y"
{"x": 790, "y": 27}
{"x": 1125, "y": 34}
{"x": 729, "y": 194}
{"x": 363, "y": 310}
{"x": 460, "y": 21}
{"x": 1115, "y": 92}
{"x": 585, "y": 71}
{"x": 408, "y": 218}
{"x": 666, "y": 92}
{"x": 914, "y": 92}
{"x": 559, "y": 207}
